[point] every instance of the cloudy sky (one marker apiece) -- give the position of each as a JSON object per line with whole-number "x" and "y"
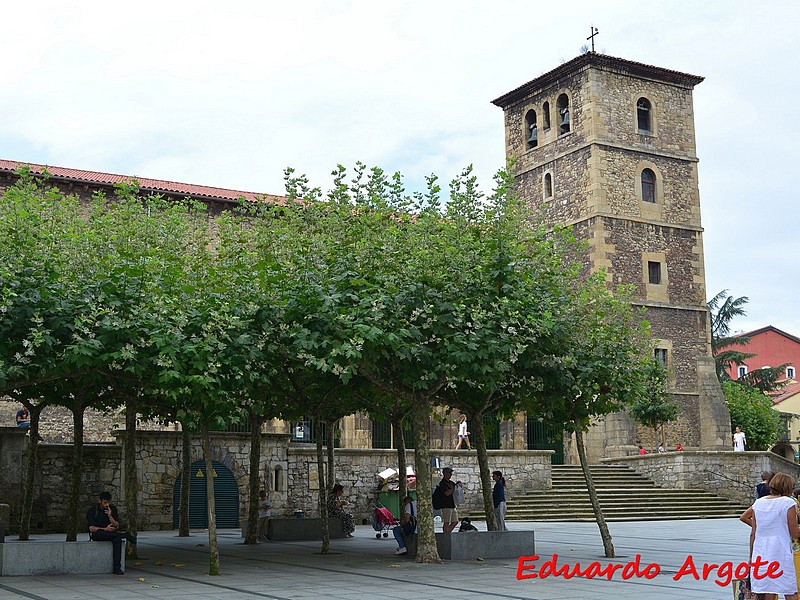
{"x": 229, "y": 94}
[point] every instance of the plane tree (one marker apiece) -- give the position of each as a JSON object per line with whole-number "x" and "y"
{"x": 595, "y": 364}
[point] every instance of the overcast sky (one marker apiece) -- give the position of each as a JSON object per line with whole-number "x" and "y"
{"x": 229, "y": 94}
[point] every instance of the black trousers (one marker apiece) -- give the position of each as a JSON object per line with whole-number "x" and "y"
{"x": 116, "y": 538}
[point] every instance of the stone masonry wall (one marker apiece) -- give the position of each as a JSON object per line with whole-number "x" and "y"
{"x": 357, "y": 471}
{"x": 729, "y": 474}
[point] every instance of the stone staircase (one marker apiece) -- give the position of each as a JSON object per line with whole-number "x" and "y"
{"x": 624, "y": 495}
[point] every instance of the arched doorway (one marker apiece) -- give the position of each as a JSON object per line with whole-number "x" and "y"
{"x": 226, "y": 497}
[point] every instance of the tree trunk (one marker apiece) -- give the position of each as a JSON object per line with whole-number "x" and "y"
{"x": 330, "y": 480}
{"x": 608, "y": 546}
{"x": 323, "y": 512}
{"x": 255, "y": 477}
{"x": 426, "y": 537}
{"x": 213, "y": 546}
{"x": 77, "y": 471}
{"x": 400, "y": 446}
{"x": 30, "y": 472}
{"x": 186, "y": 476}
{"x": 131, "y": 475}
{"x": 479, "y": 443}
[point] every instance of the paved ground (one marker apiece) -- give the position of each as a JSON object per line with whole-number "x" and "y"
{"x": 363, "y": 567}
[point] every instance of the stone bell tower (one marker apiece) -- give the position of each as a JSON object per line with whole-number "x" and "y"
{"x": 607, "y": 146}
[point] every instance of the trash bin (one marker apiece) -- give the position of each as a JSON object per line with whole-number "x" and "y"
{"x": 391, "y": 500}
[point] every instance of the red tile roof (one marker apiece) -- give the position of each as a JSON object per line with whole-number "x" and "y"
{"x": 787, "y": 391}
{"x": 199, "y": 192}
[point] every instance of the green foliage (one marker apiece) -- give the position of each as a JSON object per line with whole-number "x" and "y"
{"x": 724, "y": 308}
{"x": 653, "y": 408}
{"x": 752, "y": 410}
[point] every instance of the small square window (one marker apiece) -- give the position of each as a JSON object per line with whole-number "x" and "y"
{"x": 790, "y": 373}
{"x": 654, "y": 271}
{"x": 661, "y": 355}
{"x": 742, "y": 371}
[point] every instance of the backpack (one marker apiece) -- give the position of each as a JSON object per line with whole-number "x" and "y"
{"x": 438, "y": 498}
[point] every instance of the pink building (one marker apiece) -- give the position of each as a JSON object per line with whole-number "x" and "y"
{"x": 772, "y": 347}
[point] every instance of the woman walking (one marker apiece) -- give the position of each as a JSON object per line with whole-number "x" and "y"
{"x": 463, "y": 434}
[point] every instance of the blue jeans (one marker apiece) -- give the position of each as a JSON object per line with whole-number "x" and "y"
{"x": 398, "y": 534}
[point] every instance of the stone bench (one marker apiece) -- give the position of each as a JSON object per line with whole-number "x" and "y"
{"x": 288, "y": 530}
{"x": 471, "y": 545}
{"x": 50, "y": 557}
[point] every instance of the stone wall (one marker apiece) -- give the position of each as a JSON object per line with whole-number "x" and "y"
{"x": 287, "y": 471}
{"x": 729, "y": 474}
{"x": 357, "y": 471}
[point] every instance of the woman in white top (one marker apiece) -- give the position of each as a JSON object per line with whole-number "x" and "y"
{"x": 773, "y": 520}
{"x": 463, "y": 434}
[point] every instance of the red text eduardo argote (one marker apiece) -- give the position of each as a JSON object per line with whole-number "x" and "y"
{"x": 722, "y": 574}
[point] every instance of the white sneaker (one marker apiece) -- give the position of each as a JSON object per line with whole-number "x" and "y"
{"x": 401, "y": 551}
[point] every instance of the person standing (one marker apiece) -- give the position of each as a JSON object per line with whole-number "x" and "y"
{"x": 103, "y": 520}
{"x": 463, "y": 434}
{"x": 739, "y": 440}
{"x": 773, "y": 523}
{"x": 264, "y": 514}
{"x": 23, "y": 418}
{"x": 499, "y": 500}
{"x": 449, "y": 512}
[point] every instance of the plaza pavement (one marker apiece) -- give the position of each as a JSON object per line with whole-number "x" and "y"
{"x": 363, "y": 567}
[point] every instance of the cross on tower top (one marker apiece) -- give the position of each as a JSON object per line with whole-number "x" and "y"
{"x": 594, "y": 31}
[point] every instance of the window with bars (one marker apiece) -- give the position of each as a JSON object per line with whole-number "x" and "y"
{"x": 654, "y": 272}
{"x": 661, "y": 355}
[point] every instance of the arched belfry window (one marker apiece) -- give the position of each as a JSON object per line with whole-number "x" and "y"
{"x": 546, "y": 116}
{"x": 562, "y": 104}
{"x": 644, "y": 118}
{"x": 531, "y": 130}
{"x": 648, "y": 186}
{"x": 547, "y": 184}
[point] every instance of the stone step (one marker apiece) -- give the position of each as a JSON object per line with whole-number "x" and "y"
{"x": 624, "y": 495}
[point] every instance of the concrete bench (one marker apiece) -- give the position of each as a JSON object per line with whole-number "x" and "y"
{"x": 50, "y": 557}
{"x": 471, "y": 545}
{"x": 286, "y": 530}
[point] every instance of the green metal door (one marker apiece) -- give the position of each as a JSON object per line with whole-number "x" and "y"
{"x": 226, "y": 497}
{"x": 542, "y": 436}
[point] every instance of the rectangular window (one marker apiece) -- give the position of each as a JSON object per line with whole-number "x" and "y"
{"x": 654, "y": 271}
{"x": 789, "y": 372}
{"x": 661, "y": 355}
{"x": 742, "y": 372}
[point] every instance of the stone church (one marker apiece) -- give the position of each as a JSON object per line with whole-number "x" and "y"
{"x": 603, "y": 145}
{"x": 607, "y": 147}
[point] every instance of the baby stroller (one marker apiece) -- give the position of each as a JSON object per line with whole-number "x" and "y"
{"x": 382, "y": 520}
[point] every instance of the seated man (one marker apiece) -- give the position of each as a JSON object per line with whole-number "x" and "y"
{"x": 103, "y": 520}
{"x": 408, "y": 524}
{"x": 23, "y": 418}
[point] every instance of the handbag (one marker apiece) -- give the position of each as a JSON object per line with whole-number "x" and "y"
{"x": 742, "y": 591}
